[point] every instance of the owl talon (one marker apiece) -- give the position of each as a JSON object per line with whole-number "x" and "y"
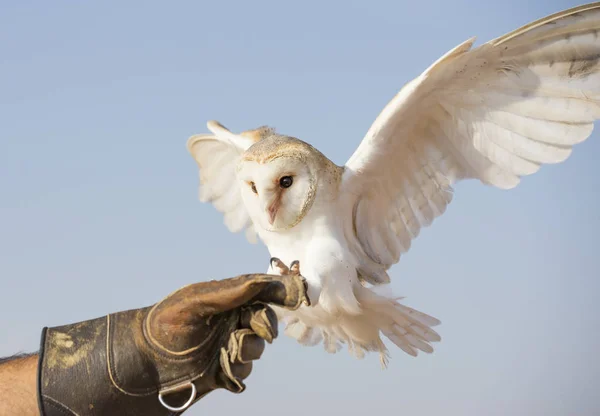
{"x": 279, "y": 266}
{"x": 295, "y": 267}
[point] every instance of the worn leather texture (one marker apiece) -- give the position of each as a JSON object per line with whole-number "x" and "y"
{"x": 207, "y": 333}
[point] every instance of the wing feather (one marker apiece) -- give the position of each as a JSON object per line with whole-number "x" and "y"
{"x": 495, "y": 114}
{"x": 217, "y": 155}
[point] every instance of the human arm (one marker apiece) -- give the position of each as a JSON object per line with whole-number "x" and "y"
{"x": 18, "y": 394}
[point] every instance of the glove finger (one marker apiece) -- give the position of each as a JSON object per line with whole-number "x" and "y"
{"x": 193, "y": 303}
{"x": 252, "y": 348}
{"x": 215, "y": 297}
{"x": 231, "y": 375}
{"x": 262, "y": 320}
{"x": 244, "y": 346}
{"x": 241, "y": 371}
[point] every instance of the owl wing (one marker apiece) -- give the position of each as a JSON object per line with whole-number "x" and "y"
{"x": 494, "y": 114}
{"x": 217, "y": 155}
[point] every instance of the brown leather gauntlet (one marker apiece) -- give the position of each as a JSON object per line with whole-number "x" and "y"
{"x": 161, "y": 359}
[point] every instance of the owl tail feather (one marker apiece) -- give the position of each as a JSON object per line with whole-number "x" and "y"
{"x": 409, "y": 329}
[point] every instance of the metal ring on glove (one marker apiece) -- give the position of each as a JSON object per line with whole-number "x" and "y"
{"x": 177, "y": 389}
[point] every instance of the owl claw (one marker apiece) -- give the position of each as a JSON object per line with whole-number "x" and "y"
{"x": 295, "y": 267}
{"x": 279, "y": 266}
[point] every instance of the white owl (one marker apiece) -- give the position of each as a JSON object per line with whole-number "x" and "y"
{"x": 494, "y": 114}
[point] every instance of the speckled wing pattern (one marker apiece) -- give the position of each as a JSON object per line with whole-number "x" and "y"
{"x": 217, "y": 155}
{"x": 495, "y": 113}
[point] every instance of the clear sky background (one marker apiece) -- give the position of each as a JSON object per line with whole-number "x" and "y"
{"x": 99, "y": 209}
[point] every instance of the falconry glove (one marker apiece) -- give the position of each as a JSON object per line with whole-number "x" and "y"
{"x": 161, "y": 359}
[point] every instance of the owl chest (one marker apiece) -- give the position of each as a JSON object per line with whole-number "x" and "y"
{"x": 320, "y": 249}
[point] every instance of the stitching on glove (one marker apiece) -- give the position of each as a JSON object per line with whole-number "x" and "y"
{"x": 112, "y": 371}
{"x": 141, "y": 392}
{"x": 59, "y": 406}
{"x": 156, "y": 344}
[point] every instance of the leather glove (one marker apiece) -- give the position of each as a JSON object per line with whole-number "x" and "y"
{"x": 161, "y": 359}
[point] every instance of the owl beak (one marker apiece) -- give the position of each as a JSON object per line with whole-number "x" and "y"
{"x": 273, "y": 207}
{"x": 272, "y": 211}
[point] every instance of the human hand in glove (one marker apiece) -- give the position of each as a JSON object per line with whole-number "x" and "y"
{"x": 161, "y": 359}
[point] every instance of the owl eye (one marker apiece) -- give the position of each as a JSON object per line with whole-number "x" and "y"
{"x": 286, "y": 181}
{"x": 253, "y": 188}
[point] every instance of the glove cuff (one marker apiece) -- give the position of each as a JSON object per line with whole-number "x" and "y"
{"x": 74, "y": 376}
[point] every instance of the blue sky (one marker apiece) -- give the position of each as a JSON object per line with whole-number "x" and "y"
{"x": 99, "y": 209}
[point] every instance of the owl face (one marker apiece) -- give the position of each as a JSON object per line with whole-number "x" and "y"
{"x": 277, "y": 192}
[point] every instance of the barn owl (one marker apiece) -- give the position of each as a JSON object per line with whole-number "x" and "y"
{"x": 494, "y": 113}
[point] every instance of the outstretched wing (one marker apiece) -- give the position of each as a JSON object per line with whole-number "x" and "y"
{"x": 494, "y": 113}
{"x": 217, "y": 155}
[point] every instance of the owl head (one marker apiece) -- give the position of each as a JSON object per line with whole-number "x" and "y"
{"x": 279, "y": 178}
{"x": 274, "y": 181}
